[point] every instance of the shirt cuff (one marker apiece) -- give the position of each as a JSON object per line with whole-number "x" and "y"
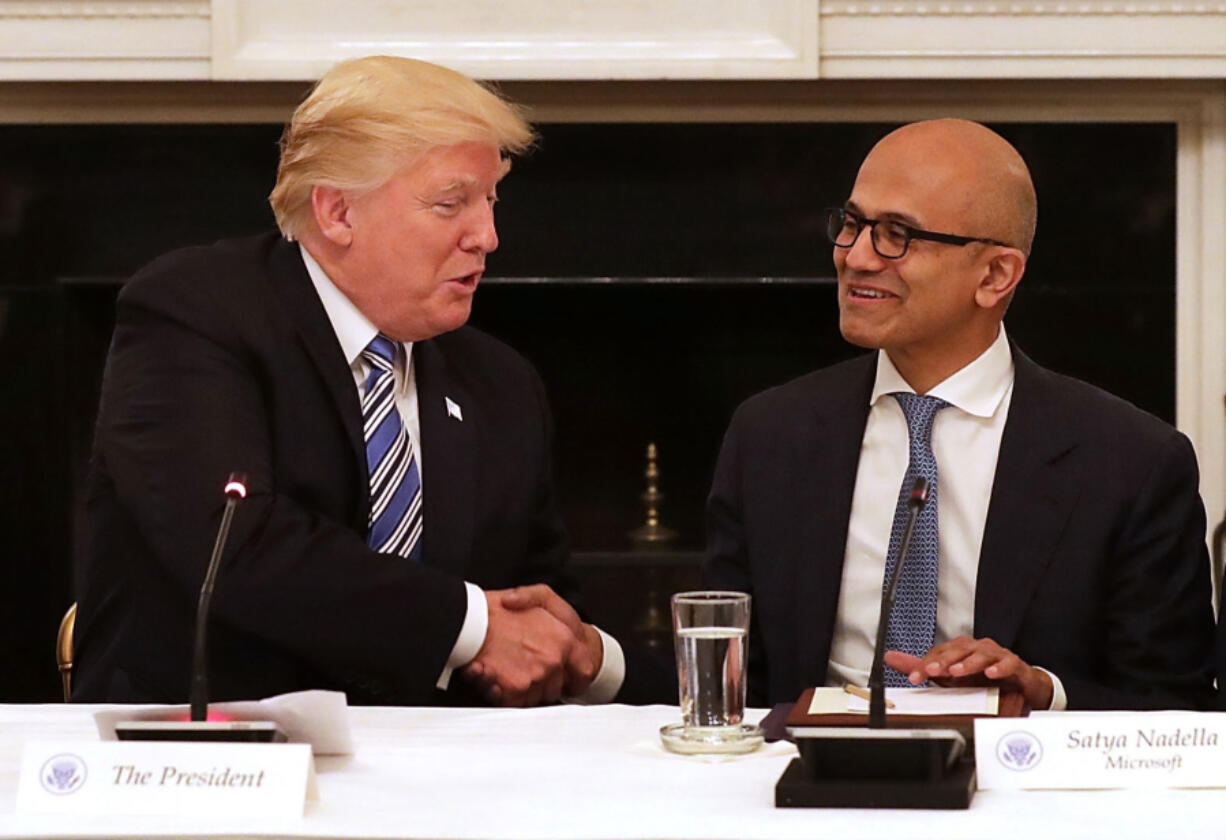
{"x": 610, "y": 677}
{"x": 1059, "y": 700}
{"x": 472, "y": 634}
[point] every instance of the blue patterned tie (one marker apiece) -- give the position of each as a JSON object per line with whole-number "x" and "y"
{"x": 914, "y": 617}
{"x": 395, "y": 484}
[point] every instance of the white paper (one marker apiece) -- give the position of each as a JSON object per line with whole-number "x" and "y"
{"x": 318, "y": 718}
{"x": 910, "y": 701}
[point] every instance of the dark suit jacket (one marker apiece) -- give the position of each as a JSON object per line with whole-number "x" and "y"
{"x": 1093, "y": 562}
{"x": 223, "y": 359}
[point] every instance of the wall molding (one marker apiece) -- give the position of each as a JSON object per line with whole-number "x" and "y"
{"x": 296, "y": 40}
{"x": 904, "y": 38}
{"x": 17, "y": 9}
{"x": 523, "y": 39}
{"x": 90, "y": 40}
{"x": 919, "y": 8}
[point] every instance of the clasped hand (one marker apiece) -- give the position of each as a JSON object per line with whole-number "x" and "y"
{"x": 536, "y": 649}
{"x": 965, "y": 661}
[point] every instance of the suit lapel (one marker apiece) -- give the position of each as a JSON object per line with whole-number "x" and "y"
{"x": 294, "y": 287}
{"x": 827, "y": 464}
{"x": 1033, "y": 493}
{"x": 449, "y": 460}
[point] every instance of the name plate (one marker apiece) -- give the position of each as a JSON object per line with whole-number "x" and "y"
{"x": 146, "y": 777}
{"x": 1100, "y": 750}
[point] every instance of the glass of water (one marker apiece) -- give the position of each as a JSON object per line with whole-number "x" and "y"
{"x": 711, "y": 638}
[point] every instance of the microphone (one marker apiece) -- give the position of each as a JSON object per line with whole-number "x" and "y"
{"x": 876, "y": 675}
{"x": 199, "y": 728}
{"x": 847, "y": 766}
{"x": 235, "y": 490}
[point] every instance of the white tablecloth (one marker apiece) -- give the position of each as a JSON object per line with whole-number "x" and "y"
{"x": 572, "y": 772}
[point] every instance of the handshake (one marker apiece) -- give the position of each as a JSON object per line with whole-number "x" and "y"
{"x": 537, "y": 649}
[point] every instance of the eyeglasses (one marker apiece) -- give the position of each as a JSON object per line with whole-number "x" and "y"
{"x": 890, "y": 238}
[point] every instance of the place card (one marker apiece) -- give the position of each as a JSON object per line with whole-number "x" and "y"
{"x": 165, "y": 777}
{"x": 1100, "y": 750}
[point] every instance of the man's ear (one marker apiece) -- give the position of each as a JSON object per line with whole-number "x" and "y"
{"x": 1001, "y": 276}
{"x": 331, "y": 210}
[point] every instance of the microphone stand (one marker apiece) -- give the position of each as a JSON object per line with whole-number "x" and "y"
{"x": 199, "y": 728}
{"x": 235, "y": 490}
{"x": 876, "y": 675}
{"x": 848, "y": 765}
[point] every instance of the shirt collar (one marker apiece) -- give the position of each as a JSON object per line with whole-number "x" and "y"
{"x": 977, "y": 388}
{"x": 353, "y": 329}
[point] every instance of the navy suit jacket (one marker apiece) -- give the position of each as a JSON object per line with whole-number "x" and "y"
{"x": 223, "y": 359}
{"x": 1093, "y": 563}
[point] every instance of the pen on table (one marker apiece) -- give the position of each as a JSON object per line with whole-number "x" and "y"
{"x": 864, "y": 694}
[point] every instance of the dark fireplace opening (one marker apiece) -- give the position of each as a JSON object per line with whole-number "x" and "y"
{"x": 656, "y": 274}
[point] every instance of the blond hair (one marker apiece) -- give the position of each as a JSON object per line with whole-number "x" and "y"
{"x": 369, "y": 117}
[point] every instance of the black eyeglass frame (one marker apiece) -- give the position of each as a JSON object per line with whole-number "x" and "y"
{"x": 842, "y": 214}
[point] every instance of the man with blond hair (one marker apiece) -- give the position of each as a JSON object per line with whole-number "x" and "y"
{"x": 398, "y": 462}
{"x": 1061, "y": 552}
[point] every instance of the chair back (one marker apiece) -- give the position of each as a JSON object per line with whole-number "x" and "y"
{"x": 63, "y": 649}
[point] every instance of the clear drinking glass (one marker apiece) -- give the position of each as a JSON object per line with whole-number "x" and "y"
{"x": 711, "y": 639}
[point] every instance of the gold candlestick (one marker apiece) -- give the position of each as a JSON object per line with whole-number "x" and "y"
{"x": 653, "y": 627}
{"x": 652, "y": 535}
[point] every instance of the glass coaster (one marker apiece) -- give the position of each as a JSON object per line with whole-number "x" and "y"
{"x": 711, "y": 740}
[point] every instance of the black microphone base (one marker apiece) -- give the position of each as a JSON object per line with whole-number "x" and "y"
{"x": 877, "y": 768}
{"x": 250, "y": 731}
{"x": 953, "y": 791}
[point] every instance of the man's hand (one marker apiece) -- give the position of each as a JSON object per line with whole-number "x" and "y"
{"x": 525, "y": 657}
{"x": 582, "y": 668}
{"x": 967, "y": 661}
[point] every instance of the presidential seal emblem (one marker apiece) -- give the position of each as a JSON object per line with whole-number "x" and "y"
{"x": 62, "y": 774}
{"x": 1019, "y": 751}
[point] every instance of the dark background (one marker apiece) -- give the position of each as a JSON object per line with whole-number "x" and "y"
{"x": 656, "y": 274}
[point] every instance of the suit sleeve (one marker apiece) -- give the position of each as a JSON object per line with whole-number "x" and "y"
{"x": 727, "y": 564}
{"x": 185, "y": 402}
{"x": 1158, "y": 602}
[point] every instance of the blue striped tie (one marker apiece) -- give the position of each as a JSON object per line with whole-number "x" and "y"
{"x": 395, "y": 484}
{"x": 913, "y": 620}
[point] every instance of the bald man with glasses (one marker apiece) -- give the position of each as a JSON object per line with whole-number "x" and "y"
{"x": 1061, "y": 553}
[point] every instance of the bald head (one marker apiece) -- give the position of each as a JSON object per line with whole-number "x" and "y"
{"x": 972, "y": 177}
{"x": 938, "y": 305}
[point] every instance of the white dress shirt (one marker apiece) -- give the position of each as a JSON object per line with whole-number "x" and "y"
{"x": 966, "y": 442}
{"x": 355, "y": 331}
